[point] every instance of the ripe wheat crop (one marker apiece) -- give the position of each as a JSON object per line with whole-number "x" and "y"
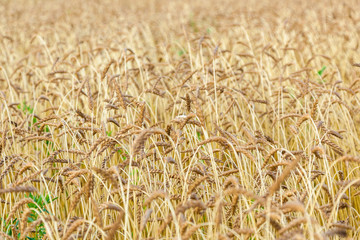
{"x": 179, "y": 119}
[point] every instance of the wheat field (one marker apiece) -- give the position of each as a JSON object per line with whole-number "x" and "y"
{"x": 179, "y": 119}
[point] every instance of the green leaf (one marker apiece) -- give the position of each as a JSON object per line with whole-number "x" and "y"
{"x": 30, "y": 219}
{"x": 46, "y": 129}
{"x": 198, "y": 135}
{"x": 321, "y": 71}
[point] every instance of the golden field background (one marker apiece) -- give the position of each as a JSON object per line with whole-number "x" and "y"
{"x": 179, "y": 120}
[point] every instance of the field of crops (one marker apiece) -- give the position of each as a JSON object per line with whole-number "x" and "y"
{"x": 179, "y": 119}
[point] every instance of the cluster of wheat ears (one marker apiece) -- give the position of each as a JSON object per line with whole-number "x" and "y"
{"x": 179, "y": 120}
